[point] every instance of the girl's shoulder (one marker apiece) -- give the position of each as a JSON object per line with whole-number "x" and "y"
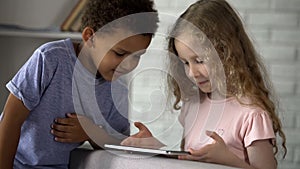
{"x": 243, "y": 107}
{"x": 248, "y": 110}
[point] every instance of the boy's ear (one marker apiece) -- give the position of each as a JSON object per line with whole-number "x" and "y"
{"x": 87, "y": 36}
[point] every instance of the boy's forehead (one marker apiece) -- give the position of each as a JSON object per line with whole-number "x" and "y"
{"x": 134, "y": 43}
{"x": 113, "y": 37}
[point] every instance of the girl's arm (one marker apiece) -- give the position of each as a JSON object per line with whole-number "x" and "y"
{"x": 260, "y": 154}
{"x": 14, "y": 114}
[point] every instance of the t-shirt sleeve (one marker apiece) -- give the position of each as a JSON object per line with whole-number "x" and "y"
{"x": 258, "y": 127}
{"x": 32, "y": 79}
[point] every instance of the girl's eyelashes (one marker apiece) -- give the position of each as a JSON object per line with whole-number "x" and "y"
{"x": 199, "y": 61}
{"x": 185, "y": 62}
{"x": 196, "y": 61}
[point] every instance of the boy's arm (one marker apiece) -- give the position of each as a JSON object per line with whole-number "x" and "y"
{"x": 14, "y": 114}
{"x": 77, "y": 128}
{"x": 143, "y": 138}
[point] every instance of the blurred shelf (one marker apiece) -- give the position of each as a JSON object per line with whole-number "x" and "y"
{"x": 39, "y": 33}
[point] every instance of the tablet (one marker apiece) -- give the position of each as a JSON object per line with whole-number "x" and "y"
{"x": 140, "y": 150}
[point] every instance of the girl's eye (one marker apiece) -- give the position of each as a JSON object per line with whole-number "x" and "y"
{"x": 184, "y": 62}
{"x": 199, "y": 61}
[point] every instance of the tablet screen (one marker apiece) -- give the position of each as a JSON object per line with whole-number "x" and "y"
{"x": 131, "y": 149}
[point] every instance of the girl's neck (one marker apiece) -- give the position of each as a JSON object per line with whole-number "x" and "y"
{"x": 216, "y": 96}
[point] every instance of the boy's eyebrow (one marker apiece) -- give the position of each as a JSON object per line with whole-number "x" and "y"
{"x": 129, "y": 52}
{"x": 122, "y": 50}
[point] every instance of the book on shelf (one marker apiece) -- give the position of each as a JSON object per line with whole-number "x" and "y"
{"x": 73, "y": 20}
{"x": 76, "y": 25}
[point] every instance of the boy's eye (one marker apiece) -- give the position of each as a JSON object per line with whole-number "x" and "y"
{"x": 119, "y": 53}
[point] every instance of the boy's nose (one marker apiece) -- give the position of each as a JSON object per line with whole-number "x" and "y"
{"x": 129, "y": 63}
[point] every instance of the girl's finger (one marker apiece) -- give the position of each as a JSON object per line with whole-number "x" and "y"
{"x": 191, "y": 157}
{"x": 201, "y": 152}
{"x": 214, "y": 136}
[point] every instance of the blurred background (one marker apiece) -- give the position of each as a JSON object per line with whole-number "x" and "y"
{"x": 274, "y": 26}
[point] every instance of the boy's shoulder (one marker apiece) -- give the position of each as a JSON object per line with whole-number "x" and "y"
{"x": 57, "y": 51}
{"x": 54, "y": 45}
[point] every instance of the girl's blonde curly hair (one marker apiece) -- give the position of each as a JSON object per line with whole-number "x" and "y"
{"x": 245, "y": 74}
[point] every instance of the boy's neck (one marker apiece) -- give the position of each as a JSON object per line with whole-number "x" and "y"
{"x": 84, "y": 60}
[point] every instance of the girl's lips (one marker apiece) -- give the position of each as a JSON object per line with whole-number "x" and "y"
{"x": 203, "y": 82}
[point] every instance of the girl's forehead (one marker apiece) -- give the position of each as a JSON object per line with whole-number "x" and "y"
{"x": 197, "y": 45}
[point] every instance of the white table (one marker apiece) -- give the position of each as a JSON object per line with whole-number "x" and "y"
{"x": 100, "y": 159}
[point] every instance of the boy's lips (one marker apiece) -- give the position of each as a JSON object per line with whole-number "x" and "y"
{"x": 120, "y": 72}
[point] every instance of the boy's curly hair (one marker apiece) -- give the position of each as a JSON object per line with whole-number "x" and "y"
{"x": 99, "y": 13}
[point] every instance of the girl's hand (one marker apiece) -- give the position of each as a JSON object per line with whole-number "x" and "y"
{"x": 143, "y": 138}
{"x": 217, "y": 152}
{"x": 69, "y": 129}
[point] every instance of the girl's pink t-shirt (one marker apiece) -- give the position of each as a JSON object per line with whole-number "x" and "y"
{"x": 239, "y": 125}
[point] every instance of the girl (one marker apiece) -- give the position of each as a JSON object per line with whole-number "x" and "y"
{"x": 57, "y": 80}
{"x": 231, "y": 117}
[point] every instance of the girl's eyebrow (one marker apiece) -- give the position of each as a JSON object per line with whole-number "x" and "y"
{"x": 191, "y": 57}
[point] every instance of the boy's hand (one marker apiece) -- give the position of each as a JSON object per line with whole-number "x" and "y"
{"x": 69, "y": 129}
{"x": 143, "y": 138}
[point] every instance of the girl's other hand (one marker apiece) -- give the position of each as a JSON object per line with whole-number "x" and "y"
{"x": 69, "y": 129}
{"x": 217, "y": 152}
{"x": 143, "y": 138}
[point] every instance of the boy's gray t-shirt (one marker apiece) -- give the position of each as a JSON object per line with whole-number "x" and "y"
{"x": 52, "y": 83}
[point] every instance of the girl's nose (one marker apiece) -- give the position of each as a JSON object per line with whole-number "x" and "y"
{"x": 193, "y": 71}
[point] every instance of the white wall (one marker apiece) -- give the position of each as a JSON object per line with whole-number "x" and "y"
{"x": 274, "y": 25}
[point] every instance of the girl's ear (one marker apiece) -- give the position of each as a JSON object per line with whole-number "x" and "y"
{"x": 87, "y": 36}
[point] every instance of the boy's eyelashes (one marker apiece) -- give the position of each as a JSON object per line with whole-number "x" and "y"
{"x": 121, "y": 54}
